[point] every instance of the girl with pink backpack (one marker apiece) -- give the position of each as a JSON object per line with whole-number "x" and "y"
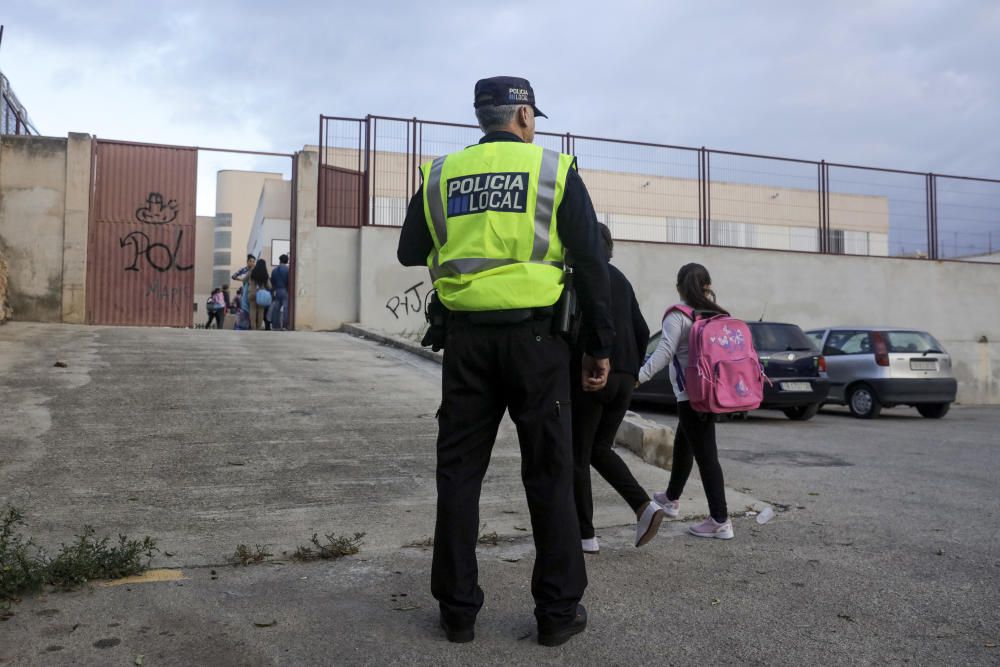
{"x": 695, "y": 436}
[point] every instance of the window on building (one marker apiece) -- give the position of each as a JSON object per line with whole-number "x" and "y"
{"x": 837, "y": 241}
{"x": 279, "y": 247}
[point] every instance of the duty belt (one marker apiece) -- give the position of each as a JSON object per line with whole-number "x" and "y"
{"x": 512, "y": 316}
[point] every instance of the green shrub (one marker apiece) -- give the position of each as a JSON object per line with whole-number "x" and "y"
{"x": 335, "y": 546}
{"x": 90, "y": 558}
{"x": 25, "y": 568}
{"x": 244, "y": 555}
{"x": 21, "y": 569}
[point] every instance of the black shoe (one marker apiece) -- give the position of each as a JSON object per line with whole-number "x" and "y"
{"x": 458, "y": 635}
{"x": 563, "y": 635}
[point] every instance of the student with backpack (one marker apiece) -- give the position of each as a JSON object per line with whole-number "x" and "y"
{"x": 258, "y": 291}
{"x": 722, "y": 374}
{"x": 220, "y": 307}
{"x": 216, "y": 309}
{"x": 598, "y": 414}
{"x": 210, "y": 306}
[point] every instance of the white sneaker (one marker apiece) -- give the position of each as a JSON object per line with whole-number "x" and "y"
{"x": 648, "y": 524}
{"x": 590, "y": 545}
{"x": 712, "y": 528}
{"x": 670, "y": 507}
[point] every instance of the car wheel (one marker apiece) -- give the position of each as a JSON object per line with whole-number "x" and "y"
{"x": 934, "y": 410}
{"x": 863, "y": 403}
{"x": 801, "y": 413}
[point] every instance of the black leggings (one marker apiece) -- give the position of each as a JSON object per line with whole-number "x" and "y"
{"x": 218, "y": 316}
{"x": 596, "y": 418}
{"x": 695, "y": 441}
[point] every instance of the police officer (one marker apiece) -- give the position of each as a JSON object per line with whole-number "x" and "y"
{"x": 493, "y": 223}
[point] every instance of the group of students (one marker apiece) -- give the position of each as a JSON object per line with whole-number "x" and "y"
{"x": 597, "y": 415}
{"x": 262, "y": 300}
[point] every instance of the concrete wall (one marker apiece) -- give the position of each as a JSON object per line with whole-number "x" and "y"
{"x": 76, "y": 223}
{"x": 5, "y": 311}
{"x": 32, "y": 217}
{"x": 957, "y": 302}
{"x": 326, "y": 259}
{"x": 392, "y": 296}
{"x": 204, "y": 239}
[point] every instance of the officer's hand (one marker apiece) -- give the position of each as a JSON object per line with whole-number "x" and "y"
{"x": 595, "y": 373}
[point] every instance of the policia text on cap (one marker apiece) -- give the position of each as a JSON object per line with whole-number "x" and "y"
{"x": 493, "y": 223}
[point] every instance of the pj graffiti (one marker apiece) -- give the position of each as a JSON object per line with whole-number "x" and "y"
{"x": 410, "y": 301}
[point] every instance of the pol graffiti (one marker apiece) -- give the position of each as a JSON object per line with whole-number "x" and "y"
{"x": 159, "y": 256}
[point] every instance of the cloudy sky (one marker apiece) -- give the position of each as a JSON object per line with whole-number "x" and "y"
{"x": 897, "y": 83}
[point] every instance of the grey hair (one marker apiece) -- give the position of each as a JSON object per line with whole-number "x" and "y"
{"x": 496, "y": 117}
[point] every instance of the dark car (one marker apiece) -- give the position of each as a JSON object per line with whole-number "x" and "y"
{"x": 791, "y": 363}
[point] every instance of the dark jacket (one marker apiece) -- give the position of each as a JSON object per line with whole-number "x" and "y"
{"x": 576, "y": 223}
{"x": 631, "y": 331}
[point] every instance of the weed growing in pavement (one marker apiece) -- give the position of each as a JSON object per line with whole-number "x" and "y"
{"x": 416, "y": 544}
{"x": 489, "y": 538}
{"x": 25, "y": 568}
{"x": 21, "y": 570}
{"x": 334, "y": 547}
{"x": 91, "y": 558}
{"x": 244, "y": 555}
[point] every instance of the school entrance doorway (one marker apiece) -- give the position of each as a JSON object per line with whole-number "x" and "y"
{"x": 146, "y": 242}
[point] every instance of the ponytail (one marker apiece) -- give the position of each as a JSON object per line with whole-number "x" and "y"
{"x": 693, "y": 284}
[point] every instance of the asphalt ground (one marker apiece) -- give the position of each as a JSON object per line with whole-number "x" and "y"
{"x": 884, "y": 548}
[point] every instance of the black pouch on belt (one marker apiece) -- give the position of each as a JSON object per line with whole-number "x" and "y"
{"x": 566, "y": 322}
{"x": 437, "y": 320}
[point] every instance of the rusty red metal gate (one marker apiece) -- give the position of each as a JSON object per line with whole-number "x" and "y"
{"x": 140, "y": 243}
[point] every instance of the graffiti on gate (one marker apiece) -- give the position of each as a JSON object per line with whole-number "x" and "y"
{"x": 161, "y": 292}
{"x": 409, "y": 301}
{"x": 156, "y": 211}
{"x": 160, "y": 256}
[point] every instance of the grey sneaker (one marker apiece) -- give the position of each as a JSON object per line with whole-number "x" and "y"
{"x": 712, "y": 528}
{"x": 670, "y": 507}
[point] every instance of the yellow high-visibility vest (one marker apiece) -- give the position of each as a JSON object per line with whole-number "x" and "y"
{"x": 491, "y": 210}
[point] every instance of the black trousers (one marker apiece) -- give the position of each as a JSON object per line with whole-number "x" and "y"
{"x": 596, "y": 418}
{"x": 524, "y": 369}
{"x": 695, "y": 441}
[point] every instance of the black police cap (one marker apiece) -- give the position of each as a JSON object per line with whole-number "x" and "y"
{"x": 503, "y": 90}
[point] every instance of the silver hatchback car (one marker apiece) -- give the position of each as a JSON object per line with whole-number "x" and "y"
{"x": 874, "y": 367}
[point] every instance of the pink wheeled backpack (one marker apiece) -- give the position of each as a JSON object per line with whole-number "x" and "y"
{"x": 724, "y": 373}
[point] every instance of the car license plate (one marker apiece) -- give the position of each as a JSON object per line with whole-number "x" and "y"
{"x": 923, "y": 365}
{"x": 796, "y": 386}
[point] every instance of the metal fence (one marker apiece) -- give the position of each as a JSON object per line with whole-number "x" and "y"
{"x": 13, "y": 116}
{"x": 369, "y": 169}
